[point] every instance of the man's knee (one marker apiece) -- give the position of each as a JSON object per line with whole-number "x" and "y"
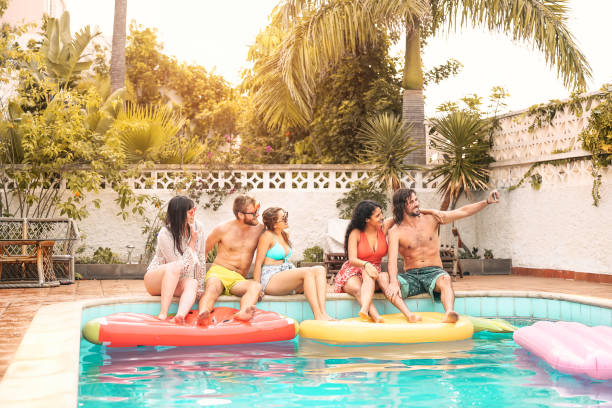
{"x": 444, "y": 281}
{"x": 213, "y": 285}
{"x": 254, "y": 286}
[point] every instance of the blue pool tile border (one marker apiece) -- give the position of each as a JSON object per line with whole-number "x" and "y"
{"x": 541, "y": 307}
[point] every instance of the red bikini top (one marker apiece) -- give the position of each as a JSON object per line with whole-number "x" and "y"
{"x": 365, "y": 252}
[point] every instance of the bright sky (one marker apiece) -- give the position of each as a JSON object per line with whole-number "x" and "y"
{"x": 217, "y": 34}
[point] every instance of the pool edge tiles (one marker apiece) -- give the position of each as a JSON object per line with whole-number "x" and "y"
{"x": 45, "y": 368}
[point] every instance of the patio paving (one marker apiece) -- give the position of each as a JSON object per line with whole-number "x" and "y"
{"x": 18, "y": 306}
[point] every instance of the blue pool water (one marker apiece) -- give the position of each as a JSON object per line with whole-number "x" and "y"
{"x": 489, "y": 370}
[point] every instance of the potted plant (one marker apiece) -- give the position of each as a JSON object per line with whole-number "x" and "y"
{"x": 105, "y": 264}
{"x": 472, "y": 264}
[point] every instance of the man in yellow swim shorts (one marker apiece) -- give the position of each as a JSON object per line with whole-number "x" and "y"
{"x": 237, "y": 241}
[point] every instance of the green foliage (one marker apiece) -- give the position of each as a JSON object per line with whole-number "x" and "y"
{"x": 210, "y": 257}
{"x": 100, "y": 256}
{"x": 55, "y": 147}
{"x": 313, "y": 254}
{"x": 597, "y": 139}
{"x": 360, "y": 190}
{"x": 473, "y": 254}
{"x": 3, "y": 6}
{"x": 473, "y": 104}
{"x": 386, "y": 144}
{"x": 544, "y": 114}
{"x": 360, "y": 85}
{"x": 488, "y": 254}
{"x": 312, "y": 37}
{"x": 62, "y": 55}
{"x": 203, "y": 98}
{"x": 463, "y": 141}
{"x": 536, "y": 181}
{"x": 64, "y": 159}
{"x": 145, "y": 133}
{"x": 438, "y": 74}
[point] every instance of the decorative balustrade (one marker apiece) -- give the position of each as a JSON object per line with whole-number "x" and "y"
{"x": 271, "y": 178}
{"x": 520, "y": 140}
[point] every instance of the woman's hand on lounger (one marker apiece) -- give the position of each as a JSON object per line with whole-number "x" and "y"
{"x": 392, "y": 290}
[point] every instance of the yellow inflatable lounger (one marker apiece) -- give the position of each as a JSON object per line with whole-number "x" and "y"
{"x": 395, "y": 329}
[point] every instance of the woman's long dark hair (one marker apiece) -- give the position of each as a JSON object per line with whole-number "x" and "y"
{"x": 175, "y": 219}
{"x": 361, "y": 213}
{"x": 270, "y": 217}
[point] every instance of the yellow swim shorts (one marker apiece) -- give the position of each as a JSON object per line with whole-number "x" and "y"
{"x": 227, "y": 277}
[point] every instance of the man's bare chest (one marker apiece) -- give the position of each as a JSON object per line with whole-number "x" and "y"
{"x": 239, "y": 241}
{"x": 415, "y": 238}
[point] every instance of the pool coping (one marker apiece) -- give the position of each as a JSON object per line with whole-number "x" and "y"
{"x": 46, "y": 373}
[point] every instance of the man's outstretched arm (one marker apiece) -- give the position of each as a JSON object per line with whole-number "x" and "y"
{"x": 445, "y": 217}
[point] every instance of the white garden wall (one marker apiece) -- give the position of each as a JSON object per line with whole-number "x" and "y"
{"x": 555, "y": 227}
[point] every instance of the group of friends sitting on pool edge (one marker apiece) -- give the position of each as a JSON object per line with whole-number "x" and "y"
{"x": 179, "y": 265}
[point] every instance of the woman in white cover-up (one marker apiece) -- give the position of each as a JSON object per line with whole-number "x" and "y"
{"x": 179, "y": 265}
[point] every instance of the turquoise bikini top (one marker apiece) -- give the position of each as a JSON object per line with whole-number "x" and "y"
{"x": 277, "y": 252}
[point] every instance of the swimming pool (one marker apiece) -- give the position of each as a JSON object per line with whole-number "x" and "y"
{"x": 489, "y": 370}
{"x": 45, "y": 369}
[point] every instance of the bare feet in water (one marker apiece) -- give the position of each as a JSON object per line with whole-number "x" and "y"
{"x": 450, "y": 317}
{"x": 245, "y": 314}
{"x": 204, "y": 318}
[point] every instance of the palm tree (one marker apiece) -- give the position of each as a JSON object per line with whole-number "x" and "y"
{"x": 462, "y": 138}
{"x": 387, "y": 143}
{"x": 318, "y": 33}
{"x": 117, "y": 66}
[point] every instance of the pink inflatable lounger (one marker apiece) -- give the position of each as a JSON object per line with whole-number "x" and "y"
{"x": 569, "y": 347}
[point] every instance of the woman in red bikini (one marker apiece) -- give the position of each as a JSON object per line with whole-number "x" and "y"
{"x": 365, "y": 245}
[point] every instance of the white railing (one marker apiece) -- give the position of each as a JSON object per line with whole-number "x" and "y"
{"x": 518, "y": 144}
{"x": 270, "y": 178}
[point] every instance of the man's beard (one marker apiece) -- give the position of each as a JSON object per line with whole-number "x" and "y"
{"x": 414, "y": 213}
{"x": 252, "y": 222}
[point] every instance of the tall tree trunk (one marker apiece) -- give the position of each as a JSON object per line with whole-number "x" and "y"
{"x": 445, "y": 202}
{"x": 117, "y": 67}
{"x": 413, "y": 109}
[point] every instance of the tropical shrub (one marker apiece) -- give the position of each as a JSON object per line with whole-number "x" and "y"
{"x": 463, "y": 140}
{"x": 313, "y": 254}
{"x": 386, "y": 145}
{"x": 360, "y": 190}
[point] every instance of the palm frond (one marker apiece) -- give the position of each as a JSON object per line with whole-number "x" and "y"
{"x": 540, "y": 22}
{"x": 314, "y": 36}
{"x": 386, "y": 145}
{"x": 144, "y": 131}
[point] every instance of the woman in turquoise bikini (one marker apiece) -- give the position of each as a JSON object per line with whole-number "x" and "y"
{"x": 277, "y": 275}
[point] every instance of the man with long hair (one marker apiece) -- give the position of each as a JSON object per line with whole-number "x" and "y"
{"x": 415, "y": 237}
{"x": 236, "y": 240}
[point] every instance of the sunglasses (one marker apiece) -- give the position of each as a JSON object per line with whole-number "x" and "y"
{"x": 285, "y": 217}
{"x": 254, "y": 213}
